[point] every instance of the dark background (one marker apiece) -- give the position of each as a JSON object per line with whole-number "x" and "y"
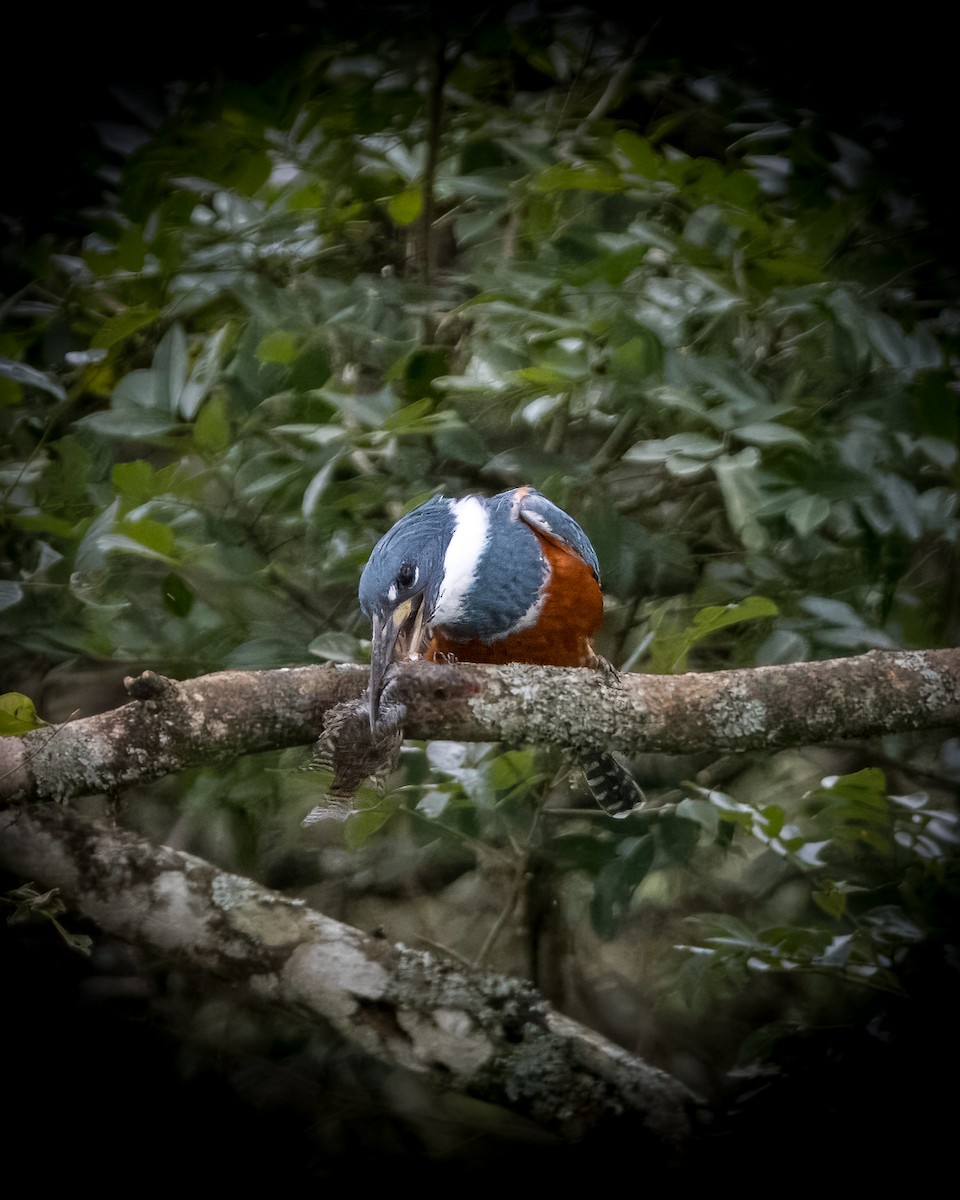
{"x": 58, "y": 73}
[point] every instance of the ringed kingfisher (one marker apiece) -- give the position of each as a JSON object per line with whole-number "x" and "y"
{"x": 510, "y": 578}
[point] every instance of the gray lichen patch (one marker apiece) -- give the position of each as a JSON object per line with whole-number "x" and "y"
{"x": 497, "y": 1004}
{"x": 541, "y": 1075}
{"x": 735, "y": 717}
{"x": 533, "y": 704}
{"x": 232, "y": 891}
{"x": 271, "y": 919}
{"x": 938, "y": 689}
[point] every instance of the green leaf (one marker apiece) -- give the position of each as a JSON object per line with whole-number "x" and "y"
{"x": 153, "y": 535}
{"x": 31, "y": 377}
{"x": 18, "y": 715}
{"x": 11, "y": 393}
{"x": 830, "y": 898}
{"x": 119, "y": 327}
{"x": 211, "y": 429}
{"x": 406, "y": 206}
{"x": 512, "y": 768}
{"x": 11, "y": 593}
{"x": 737, "y": 476}
{"x": 546, "y": 377}
{"x": 461, "y": 443}
{"x": 411, "y": 416}
{"x": 670, "y": 649}
{"x": 578, "y": 176}
{"x": 715, "y": 617}
{"x": 313, "y": 493}
{"x": 364, "y": 823}
{"x": 177, "y": 596}
{"x": 335, "y": 646}
{"x": 868, "y": 786}
{"x": 618, "y": 880}
{"x": 637, "y": 358}
{"x": 700, "y": 811}
{"x": 770, "y": 433}
{"x": 277, "y": 347}
{"x": 640, "y": 154}
{"x": 170, "y": 368}
{"x": 132, "y": 424}
{"x": 134, "y": 482}
{"x": 202, "y": 375}
{"x": 808, "y": 513}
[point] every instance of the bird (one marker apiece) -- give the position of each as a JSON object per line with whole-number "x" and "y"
{"x": 510, "y": 578}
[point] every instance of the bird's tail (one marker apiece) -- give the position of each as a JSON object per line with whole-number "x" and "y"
{"x": 611, "y": 784}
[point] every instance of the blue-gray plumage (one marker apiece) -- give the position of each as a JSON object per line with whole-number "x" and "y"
{"x": 483, "y": 588}
{"x": 512, "y": 578}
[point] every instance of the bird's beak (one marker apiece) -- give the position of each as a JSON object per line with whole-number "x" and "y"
{"x": 396, "y": 633}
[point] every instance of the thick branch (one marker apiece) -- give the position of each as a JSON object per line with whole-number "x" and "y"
{"x": 223, "y": 716}
{"x": 484, "y": 1034}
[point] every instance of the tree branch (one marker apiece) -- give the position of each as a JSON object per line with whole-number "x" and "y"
{"x": 484, "y": 1034}
{"x": 218, "y": 717}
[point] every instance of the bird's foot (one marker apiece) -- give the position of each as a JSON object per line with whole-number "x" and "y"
{"x": 599, "y": 663}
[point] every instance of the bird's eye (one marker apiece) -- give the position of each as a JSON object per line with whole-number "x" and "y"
{"x": 407, "y": 575}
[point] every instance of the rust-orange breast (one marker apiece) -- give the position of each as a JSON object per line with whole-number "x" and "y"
{"x": 572, "y": 613}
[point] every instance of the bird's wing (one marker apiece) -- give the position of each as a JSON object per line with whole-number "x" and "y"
{"x": 552, "y": 523}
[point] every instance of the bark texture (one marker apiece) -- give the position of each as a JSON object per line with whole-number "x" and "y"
{"x": 171, "y": 725}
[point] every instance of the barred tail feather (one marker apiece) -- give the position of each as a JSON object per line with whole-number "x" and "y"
{"x": 611, "y": 784}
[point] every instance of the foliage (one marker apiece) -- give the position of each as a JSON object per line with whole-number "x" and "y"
{"x": 306, "y": 306}
{"x": 18, "y": 714}
{"x": 864, "y": 848}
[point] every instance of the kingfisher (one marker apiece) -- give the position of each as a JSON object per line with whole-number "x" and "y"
{"x": 509, "y": 578}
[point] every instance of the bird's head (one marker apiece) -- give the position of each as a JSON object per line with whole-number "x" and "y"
{"x": 399, "y": 588}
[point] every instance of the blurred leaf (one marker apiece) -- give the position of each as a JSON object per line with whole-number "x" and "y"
{"x": 512, "y": 768}
{"x": 616, "y": 882}
{"x": 138, "y": 426}
{"x": 170, "y": 369}
{"x": 670, "y": 649}
{"x": 641, "y": 156}
{"x": 336, "y": 647}
{"x": 17, "y": 715}
{"x": 769, "y": 433}
{"x": 406, "y": 206}
{"x": 134, "y": 482}
{"x": 121, "y": 326}
{"x": 202, "y": 375}
{"x": 177, "y": 596}
{"x": 808, "y": 514}
{"x": 580, "y": 176}
{"x": 362, "y": 824}
{"x": 737, "y": 476}
{"x": 211, "y": 429}
{"x": 30, "y": 377}
{"x": 277, "y": 347}
{"x": 11, "y": 593}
